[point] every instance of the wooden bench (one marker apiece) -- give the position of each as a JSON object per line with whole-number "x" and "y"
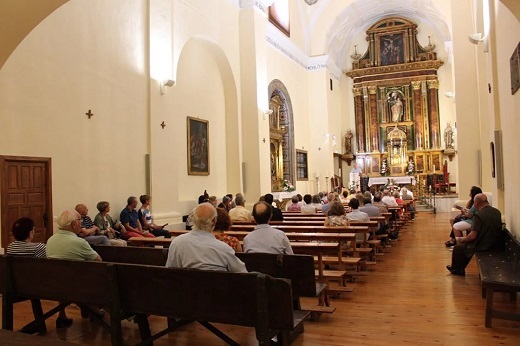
{"x": 500, "y": 272}
{"x": 132, "y": 255}
{"x": 84, "y": 283}
{"x": 141, "y": 241}
{"x": 297, "y": 268}
{"x": 258, "y": 300}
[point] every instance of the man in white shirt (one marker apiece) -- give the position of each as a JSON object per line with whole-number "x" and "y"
{"x": 199, "y": 249}
{"x": 265, "y": 238}
{"x": 357, "y": 215}
{"x": 240, "y": 213}
{"x": 388, "y": 199}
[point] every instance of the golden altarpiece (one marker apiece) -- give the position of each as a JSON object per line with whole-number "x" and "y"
{"x": 276, "y": 137}
{"x": 396, "y": 101}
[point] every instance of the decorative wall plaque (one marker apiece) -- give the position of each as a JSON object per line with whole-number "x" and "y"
{"x": 515, "y": 70}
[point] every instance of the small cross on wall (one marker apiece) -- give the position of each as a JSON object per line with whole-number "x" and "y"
{"x": 89, "y": 114}
{"x": 163, "y": 125}
{"x": 264, "y": 140}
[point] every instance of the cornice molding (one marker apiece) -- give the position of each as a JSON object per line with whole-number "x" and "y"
{"x": 412, "y": 66}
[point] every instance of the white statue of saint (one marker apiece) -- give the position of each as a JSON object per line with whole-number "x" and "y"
{"x": 396, "y": 107}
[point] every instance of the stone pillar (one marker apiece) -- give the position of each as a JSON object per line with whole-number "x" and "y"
{"x": 374, "y": 119}
{"x": 417, "y": 115}
{"x": 360, "y": 119}
{"x": 433, "y": 98}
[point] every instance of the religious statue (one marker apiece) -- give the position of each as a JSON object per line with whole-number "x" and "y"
{"x": 396, "y": 107}
{"x": 348, "y": 142}
{"x": 448, "y": 136}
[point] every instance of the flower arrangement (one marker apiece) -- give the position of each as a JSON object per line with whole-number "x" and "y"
{"x": 384, "y": 168}
{"x": 410, "y": 170}
{"x": 392, "y": 186}
{"x": 287, "y": 186}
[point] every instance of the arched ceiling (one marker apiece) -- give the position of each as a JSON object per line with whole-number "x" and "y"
{"x": 513, "y": 6}
{"x": 357, "y": 17}
{"x": 18, "y": 18}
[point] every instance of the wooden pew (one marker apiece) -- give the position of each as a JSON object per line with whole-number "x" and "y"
{"x": 141, "y": 241}
{"x": 132, "y": 255}
{"x": 258, "y": 300}
{"x": 297, "y": 268}
{"x": 81, "y": 282}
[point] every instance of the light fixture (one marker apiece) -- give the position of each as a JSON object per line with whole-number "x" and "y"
{"x": 477, "y": 37}
{"x": 449, "y": 94}
{"x": 166, "y": 83}
{"x": 267, "y": 113}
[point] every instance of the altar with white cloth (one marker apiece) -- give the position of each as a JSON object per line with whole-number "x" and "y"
{"x": 281, "y": 195}
{"x": 407, "y": 179}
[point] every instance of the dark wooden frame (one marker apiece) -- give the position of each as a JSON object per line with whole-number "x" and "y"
{"x": 302, "y": 165}
{"x": 3, "y": 192}
{"x": 194, "y": 124}
{"x": 276, "y": 22}
{"x": 514, "y": 64}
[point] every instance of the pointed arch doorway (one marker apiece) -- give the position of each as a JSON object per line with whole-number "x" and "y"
{"x": 281, "y": 133}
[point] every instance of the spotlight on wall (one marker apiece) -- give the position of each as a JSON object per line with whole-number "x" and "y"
{"x": 267, "y": 113}
{"x": 449, "y": 94}
{"x": 478, "y": 37}
{"x": 166, "y": 83}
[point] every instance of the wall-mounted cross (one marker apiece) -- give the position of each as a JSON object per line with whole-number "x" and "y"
{"x": 163, "y": 125}
{"x": 89, "y": 114}
{"x": 264, "y": 140}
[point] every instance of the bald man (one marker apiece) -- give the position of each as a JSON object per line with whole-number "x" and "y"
{"x": 485, "y": 231}
{"x": 265, "y": 238}
{"x": 89, "y": 231}
{"x": 199, "y": 249}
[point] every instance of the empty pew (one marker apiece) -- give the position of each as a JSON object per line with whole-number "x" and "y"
{"x": 81, "y": 282}
{"x": 259, "y": 301}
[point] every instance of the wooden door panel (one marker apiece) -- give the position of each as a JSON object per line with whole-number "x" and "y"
{"x": 26, "y": 191}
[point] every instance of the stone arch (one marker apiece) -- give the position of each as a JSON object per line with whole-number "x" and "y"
{"x": 277, "y": 89}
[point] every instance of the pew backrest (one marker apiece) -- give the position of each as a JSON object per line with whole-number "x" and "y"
{"x": 132, "y": 255}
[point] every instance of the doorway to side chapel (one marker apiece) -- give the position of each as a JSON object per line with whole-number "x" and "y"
{"x": 26, "y": 191}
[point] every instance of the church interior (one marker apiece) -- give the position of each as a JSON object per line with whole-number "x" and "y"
{"x": 101, "y": 100}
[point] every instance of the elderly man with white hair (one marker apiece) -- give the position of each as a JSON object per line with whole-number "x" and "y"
{"x": 65, "y": 243}
{"x": 199, "y": 249}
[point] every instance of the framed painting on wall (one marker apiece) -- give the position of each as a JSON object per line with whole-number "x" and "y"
{"x": 391, "y": 49}
{"x": 198, "y": 146}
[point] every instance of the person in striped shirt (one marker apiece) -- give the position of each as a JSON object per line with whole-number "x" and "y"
{"x": 23, "y": 232}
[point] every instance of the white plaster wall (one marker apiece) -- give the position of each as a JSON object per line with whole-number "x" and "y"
{"x": 86, "y": 55}
{"x": 507, "y": 29}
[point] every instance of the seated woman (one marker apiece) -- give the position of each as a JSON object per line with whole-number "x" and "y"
{"x": 107, "y": 227}
{"x": 224, "y": 224}
{"x": 146, "y": 219}
{"x": 295, "y": 205}
{"x": 23, "y": 233}
{"x": 308, "y": 208}
{"x": 316, "y": 202}
{"x": 464, "y": 221}
{"x": 336, "y": 215}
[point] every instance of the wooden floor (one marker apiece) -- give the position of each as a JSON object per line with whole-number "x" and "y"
{"x": 408, "y": 298}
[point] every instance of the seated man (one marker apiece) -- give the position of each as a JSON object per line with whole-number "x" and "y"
{"x": 325, "y": 208}
{"x": 89, "y": 231}
{"x": 383, "y": 207}
{"x": 64, "y": 244}
{"x": 485, "y": 231}
{"x": 240, "y": 213}
{"x": 265, "y": 238}
{"x": 408, "y": 196}
{"x": 358, "y": 215}
{"x": 389, "y": 199}
{"x": 277, "y": 213}
{"x": 146, "y": 219}
{"x": 199, "y": 249}
{"x": 130, "y": 220}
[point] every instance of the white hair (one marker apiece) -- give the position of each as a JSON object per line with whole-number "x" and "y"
{"x": 204, "y": 217}
{"x": 66, "y": 218}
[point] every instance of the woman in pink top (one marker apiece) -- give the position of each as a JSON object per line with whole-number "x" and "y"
{"x": 295, "y": 206}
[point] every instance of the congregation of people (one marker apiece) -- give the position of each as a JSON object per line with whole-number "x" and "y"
{"x": 206, "y": 246}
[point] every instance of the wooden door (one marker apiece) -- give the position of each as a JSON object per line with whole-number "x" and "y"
{"x": 26, "y": 190}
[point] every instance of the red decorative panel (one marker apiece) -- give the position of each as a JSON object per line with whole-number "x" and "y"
{"x": 33, "y": 197}
{"x": 12, "y": 177}
{"x": 25, "y": 176}
{"x": 16, "y": 198}
{"x": 38, "y": 176}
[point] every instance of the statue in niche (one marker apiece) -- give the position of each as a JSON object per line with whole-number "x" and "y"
{"x": 448, "y": 136}
{"x": 396, "y": 107}
{"x": 348, "y": 142}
